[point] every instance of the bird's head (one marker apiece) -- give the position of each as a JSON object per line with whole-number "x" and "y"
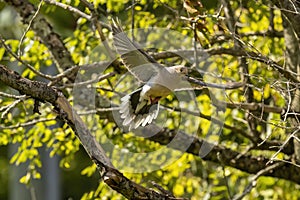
{"x": 180, "y": 70}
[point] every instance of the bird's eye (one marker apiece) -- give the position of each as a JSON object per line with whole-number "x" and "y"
{"x": 182, "y": 70}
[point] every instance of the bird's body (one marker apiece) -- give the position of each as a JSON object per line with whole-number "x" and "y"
{"x": 141, "y": 107}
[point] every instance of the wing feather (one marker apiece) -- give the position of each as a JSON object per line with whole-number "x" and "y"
{"x": 136, "y": 60}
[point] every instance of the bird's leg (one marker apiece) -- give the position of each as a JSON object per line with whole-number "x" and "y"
{"x": 154, "y": 100}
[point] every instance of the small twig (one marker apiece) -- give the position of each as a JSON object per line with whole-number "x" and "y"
{"x": 289, "y": 101}
{"x": 74, "y": 68}
{"x": 286, "y": 161}
{"x": 99, "y": 78}
{"x": 292, "y": 135}
{"x": 253, "y": 181}
{"x": 29, "y": 123}
{"x": 296, "y": 138}
{"x": 65, "y": 73}
{"x": 11, "y": 95}
{"x": 219, "y": 11}
{"x": 28, "y": 27}
{"x": 98, "y": 110}
{"x": 88, "y": 4}
{"x": 68, "y": 7}
{"x": 99, "y": 27}
{"x": 33, "y": 193}
{"x": 253, "y": 107}
{"x": 23, "y": 62}
{"x": 229, "y": 15}
{"x": 103, "y": 38}
{"x": 169, "y": 7}
{"x": 285, "y": 10}
{"x": 9, "y": 107}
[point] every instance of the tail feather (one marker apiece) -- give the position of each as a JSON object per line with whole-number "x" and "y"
{"x": 136, "y": 113}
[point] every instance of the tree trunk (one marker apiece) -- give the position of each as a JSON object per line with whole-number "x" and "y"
{"x": 291, "y": 36}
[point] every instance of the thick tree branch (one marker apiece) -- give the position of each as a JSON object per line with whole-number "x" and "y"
{"x": 115, "y": 179}
{"x": 260, "y": 144}
{"x": 228, "y": 157}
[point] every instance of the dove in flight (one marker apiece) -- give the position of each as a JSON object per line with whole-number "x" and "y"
{"x": 141, "y": 107}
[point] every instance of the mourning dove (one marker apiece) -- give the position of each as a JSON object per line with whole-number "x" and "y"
{"x": 141, "y": 107}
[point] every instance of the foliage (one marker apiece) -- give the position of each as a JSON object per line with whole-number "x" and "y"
{"x": 188, "y": 176}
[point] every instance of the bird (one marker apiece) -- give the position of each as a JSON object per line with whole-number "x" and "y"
{"x": 141, "y": 107}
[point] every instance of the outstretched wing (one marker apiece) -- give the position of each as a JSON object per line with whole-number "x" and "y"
{"x": 137, "y": 61}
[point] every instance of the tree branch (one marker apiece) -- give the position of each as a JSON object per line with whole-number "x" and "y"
{"x": 230, "y": 51}
{"x": 246, "y": 163}
{"x": 68, "y": 7}
{"x": 111, "y": 176}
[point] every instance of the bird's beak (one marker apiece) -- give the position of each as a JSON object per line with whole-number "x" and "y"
{"x": 188, "y": 78}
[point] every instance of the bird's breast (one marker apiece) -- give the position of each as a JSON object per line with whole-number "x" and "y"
{"x": 158, "y": 91}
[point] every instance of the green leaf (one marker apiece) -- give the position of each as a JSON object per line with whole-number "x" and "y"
{"x": 25, "y": 179}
